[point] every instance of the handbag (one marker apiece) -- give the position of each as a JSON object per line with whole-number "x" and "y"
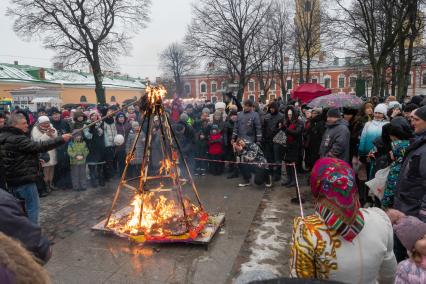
{"x": 280, "y": 138}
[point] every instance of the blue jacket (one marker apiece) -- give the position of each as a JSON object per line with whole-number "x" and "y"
{"x": 371, "y": 131}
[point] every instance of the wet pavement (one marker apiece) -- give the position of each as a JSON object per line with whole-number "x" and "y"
{"x": 83, "y": 256}
{"x": 266, "y": 248}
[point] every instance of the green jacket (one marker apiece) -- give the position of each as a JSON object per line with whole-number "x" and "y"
{"x": 77, "y": 149}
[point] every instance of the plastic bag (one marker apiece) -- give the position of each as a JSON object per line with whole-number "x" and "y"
{"x": 378, "y": 184}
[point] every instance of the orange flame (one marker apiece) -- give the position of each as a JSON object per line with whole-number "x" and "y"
{"x": 155, "y": 94}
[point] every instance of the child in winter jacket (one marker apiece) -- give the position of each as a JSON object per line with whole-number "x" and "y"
{"x": 412, "y": 233}
{"x": 78, "y": 152}
{"x": 215, "y": 150}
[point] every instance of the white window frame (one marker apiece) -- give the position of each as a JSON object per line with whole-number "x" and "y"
{"x": 325, "y": 78}
{"x": 254, "y": 86}
{"x": 286, "y": 83}
{"x": 274, "y": 95}
{"x": 344, "y": 81}
{"x": 315, "y": 78}
{"x": 211, "y": 87}
{"x": 275, "y": 85}
{"x": 201, "y": 88}
{"x": 252, "y": 97}
{"x": 215, "y": 99}
{"x": 184, "y": 88}
{"x": 355, "y": 78}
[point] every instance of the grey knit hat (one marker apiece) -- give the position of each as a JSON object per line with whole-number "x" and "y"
{"x": 409, "y": 230}
{"x": 206, "y": 110}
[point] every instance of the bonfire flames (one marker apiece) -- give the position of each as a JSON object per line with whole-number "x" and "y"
{"x": 159, "y": 213}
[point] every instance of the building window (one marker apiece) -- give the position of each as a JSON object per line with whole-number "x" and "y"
{"x": 272, "y": 85}
{"x": 314, "y": 80}
{"x": 289, "y": 84}
{"x": 327, "y": 83}
{"x": 341, "y": 82}
{"x": 214, "y": 87}
{"x": 83, "y": 99}
{"x": 352, "y": 82}
{"x": 187, "y": 89}
{"x": 308, "y": 5}
{"x": 113, "y": 100}
{"x": 214, "y": 99}
{"x": 223, "y": 85}
{"x": 424, "y": 78}
{"x": 252, "y": 98}
{"x": 203, "y": 88}
{"x": 251, "y": 86}
{"x": 409, "y": 79}
{"x": 271, "y": 97}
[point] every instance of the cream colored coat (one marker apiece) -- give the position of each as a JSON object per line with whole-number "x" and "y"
{"x": 38, "y": 136}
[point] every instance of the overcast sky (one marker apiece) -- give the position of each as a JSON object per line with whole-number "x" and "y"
{"x": 169, "y": 19}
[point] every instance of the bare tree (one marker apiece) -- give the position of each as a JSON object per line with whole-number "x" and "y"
{"x": 283, "y": 33}
{"x": 226, "y": 30}
{"x": 372, "y": 29}
{"x": 176, "y": 61}
{"x": 311, "y": 29}
{"x": 81, "y": 31}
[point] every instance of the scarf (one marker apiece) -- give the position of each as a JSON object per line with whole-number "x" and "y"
{"x": 334, "y": 187}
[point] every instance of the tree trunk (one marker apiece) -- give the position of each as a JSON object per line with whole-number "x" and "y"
{"x": 393, "y": 80}
{"x": 301, "y": 79}
{"x": 402, "y": 81}
{"x": 97, "y": 73}
{"x": 375, "y": 88}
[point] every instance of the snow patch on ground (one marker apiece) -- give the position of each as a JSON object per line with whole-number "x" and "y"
{"x": 270, "y": 242}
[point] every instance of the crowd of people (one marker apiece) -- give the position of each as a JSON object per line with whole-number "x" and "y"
{"x": 341, "y": 149}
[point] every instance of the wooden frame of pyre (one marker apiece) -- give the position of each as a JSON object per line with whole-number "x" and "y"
{"x": 152, "y": 106}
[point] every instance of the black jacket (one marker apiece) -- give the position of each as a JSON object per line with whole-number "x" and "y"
{"x": 19, "y": 155}
{"x": 313, "y": 140}
{"x": 410, "y": 193}
{"x": 270, "y": 125}
{"x": 14, "y": 223}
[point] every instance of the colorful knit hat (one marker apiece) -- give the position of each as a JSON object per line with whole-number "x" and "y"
{"x": 333, "y": 185}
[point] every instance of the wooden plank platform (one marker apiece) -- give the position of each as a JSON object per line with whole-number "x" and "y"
{"x": 204, "y": 238}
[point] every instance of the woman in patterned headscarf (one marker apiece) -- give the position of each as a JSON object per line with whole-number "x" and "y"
{"x": 341, "y": 241}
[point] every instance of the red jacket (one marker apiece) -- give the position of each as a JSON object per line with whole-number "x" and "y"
{"x": 215, "y": 144}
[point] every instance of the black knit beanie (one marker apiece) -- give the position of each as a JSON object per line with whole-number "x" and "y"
{"x": 421, "y": 112}
{"x": 334, "y": 112}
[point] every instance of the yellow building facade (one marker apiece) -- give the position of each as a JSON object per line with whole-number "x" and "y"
{"x": 72, "y": 87}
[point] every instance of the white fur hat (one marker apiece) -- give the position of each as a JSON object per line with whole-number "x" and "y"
{"x": 381, "y": 108}
{"x": 43, "y": 119}
{"x": 220, "y": 105}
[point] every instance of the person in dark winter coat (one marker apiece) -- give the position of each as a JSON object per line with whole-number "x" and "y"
{"x": 94, "y": 136}
{"x": 20, "y": 161}
{"x": 229, "y": 149}
{"x": 215, "y": 142}
{"x": 248, "y": 125}
{"x": 313, "y": 138}
{"x": 410, "y": 194}
{"x": 185, "y": 135}
{"x": 336, "y": 140}
{"x": 123, "y": 128}
{"x": 202, "y": 131}
{"x": 79, "y": 120}
{"x": 273, "y": 151}
{"x": 62, "y": 173}
{"x": 293, "y": 128}
{"x": 15, "y": 224}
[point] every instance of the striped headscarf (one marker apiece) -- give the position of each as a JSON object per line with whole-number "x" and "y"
{"x": 334, "y": 187}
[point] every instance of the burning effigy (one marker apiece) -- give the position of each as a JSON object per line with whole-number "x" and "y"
{"x": 163, "y": 209}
